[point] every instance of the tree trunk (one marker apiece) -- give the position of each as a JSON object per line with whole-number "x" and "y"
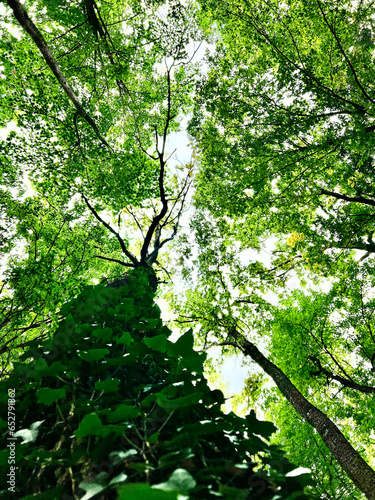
{"x": 350, "y": 460}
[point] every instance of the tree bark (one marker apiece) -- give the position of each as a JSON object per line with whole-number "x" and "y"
{"x": 362, "y": 475}
{"x": 24, "y": 20}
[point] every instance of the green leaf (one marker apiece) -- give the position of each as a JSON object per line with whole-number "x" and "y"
{"x": 103, "y": 333}
{"x": 108, "y": 385}
{"x": 91, "y": 425}
{"x": 48, "y": 396}
{"x": 124, "y": 412}
{"x": 172, "y": 404}
{"x": 91, "y": 489}
{"x": 183, "y": 346}
{"x": 194, "y": 362}
{"x": 93, "y": 354}
{"x": 53, "y": 370}
{"x": 121, "y": 478}
{"x": 157, "y": 343}
{"x": 180, "y": 481}
{"x": 125, "y": 311}
{"x": 29, "y": 435}
{"x": 261, "y": 427}
{"x": 125, "y": 339}
{"x": 140, "y": 491}
{"x": 117, "y": 456}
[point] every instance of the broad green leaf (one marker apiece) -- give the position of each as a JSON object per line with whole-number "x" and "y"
{"x": 48, "y": 396}
{"x": 103, "y": 333}
{"x": 180, "y": 481}
{"x": 108, "y": 385}
{"x": 183, "y": 346}
{"x": 123, "y": 412}
{"x": 91, "y": 425}
{"x": 189, "y": 400}
{"x": 125, "y": 339}
{"x": 261, "y": 427}
{"x": 93, "y": 354}
{"x": 140, "y": 491}
{"x": 157, "y": 343}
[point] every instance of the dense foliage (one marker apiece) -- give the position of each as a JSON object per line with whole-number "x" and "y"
{"x": 284, "y": 131}
{"x": 110, "y": 407}
{"x": 279, "y": 255}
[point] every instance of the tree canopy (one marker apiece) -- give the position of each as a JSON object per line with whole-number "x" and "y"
{"x": 276, "y": 263}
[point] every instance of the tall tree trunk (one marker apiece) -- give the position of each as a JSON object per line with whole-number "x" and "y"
{"x": 350, "y": 460}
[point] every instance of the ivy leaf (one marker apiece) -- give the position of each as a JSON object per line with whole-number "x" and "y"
{"x": 53, "y": 370}
{"x": 121, "y": 478}
{"x": 123, "y": 412}
{"x": 117, "y": 456}
{"x": 172, "y": 404}
{"x": 48, "y": 396}
{"x": 91, "y": 425}
{"x": 256, "y": 426}
{"x": 103, "y": 333}
{"x": 183, "y": 346}
{"x": 194, "y": 362}
{"x": 29, "y": 435}
{"x": 125, "y": 339}
{"x": 127, "y": 360}
{"x": 93, "y": 354}
{"x": 180, "y": 481}
{"x": 158, "y": 343}
{"x": 125, "y": 311}
{"x": 140, "y": 491}
{"x": 91, "y": 489}
{"x": 108, "y": 385}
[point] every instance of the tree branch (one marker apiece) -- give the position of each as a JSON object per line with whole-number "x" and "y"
{"x": 343, "y": 381}
{"x": 129, "y": 255}
{"x": 27, "y": 24}
{"x": 126, "y": 264}
{"x": 350, "y": 460}
{"x": 352, "y": 199}
{"x": 354, "y": 73}
{"x": 157, "y": 219}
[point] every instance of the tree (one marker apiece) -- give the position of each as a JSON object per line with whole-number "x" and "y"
{"x": 95, "y": 90}
{"x": 284, "y": 136}
{"x": 226, "y": 317}
{"x": 296, "y": 141}
{"x": 101, "y": 369}
{"x": 123, "y": 91}
{"x": 108, "y": 405}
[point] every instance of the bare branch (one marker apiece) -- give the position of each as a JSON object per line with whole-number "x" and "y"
{"x": 129, "y": 255}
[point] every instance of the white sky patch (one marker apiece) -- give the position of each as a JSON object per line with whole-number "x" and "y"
{"x": 11, "y": 126}
{"x": 298, "y": 472}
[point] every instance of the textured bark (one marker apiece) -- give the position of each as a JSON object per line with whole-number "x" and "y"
{"x": 350, "y": 460}
{"x": 24, "y": 20}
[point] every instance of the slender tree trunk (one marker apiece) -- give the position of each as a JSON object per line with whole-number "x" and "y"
{"x": 350, "y": 460}
{"x": 24, "y": 20}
